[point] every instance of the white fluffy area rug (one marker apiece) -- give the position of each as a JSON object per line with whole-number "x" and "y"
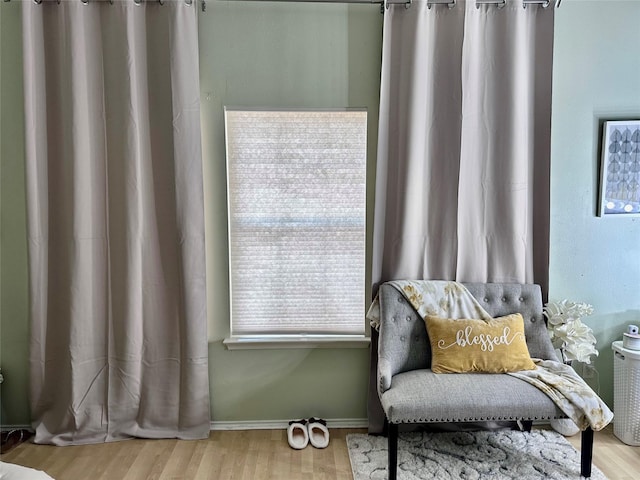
{"x": 483, "y": 455}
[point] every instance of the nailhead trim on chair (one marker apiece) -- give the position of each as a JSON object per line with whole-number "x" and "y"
{"x": 475, "y": 419}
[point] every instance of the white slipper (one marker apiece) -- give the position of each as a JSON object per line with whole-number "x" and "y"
{"x": 318, "y": 433}
{"x": 297, "y": 434}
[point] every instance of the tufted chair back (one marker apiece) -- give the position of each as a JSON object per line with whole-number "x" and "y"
{"x": 404, "y": 344}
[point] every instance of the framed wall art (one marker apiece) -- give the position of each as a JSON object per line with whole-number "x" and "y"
{"x": 620, "y": 169}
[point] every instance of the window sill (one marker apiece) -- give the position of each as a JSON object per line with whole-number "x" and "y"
{"x": 264, "y": 342}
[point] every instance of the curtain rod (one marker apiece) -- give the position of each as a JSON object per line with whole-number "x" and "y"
{"x": 386, "y": 3}
{"x": 430, "y": 3}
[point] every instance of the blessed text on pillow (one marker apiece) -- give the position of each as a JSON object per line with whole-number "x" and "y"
{"x": 472, "y": 345}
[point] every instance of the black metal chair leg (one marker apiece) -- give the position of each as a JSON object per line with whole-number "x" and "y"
{"x": 526, "y": 425}
{"x": 586, "y": 453}
{"x": 393, "y": 451}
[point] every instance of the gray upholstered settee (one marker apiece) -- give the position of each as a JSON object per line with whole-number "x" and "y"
{"x": 411, "y": 393}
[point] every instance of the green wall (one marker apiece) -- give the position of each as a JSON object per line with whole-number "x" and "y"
{"x": 14, "y": 308}
{"x": 281, "y": 55}
{"x": 594, "y": 260}
{"x": 303, "y": 55}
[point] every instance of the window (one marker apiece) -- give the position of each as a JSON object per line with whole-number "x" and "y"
{"x": 296, "y": 193}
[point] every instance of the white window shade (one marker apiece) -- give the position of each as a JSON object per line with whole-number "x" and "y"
{"x": 296, "y": 190}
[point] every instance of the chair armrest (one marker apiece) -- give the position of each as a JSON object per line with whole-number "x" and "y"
{"x": 384, "y": 375}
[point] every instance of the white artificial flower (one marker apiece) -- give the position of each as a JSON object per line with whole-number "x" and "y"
{"x": 560, "y": 335}
{"x": 580, "y": 351}
{"x": 579, "y": 331}
{"x": 553, "y": 312}
{"x": 568, "y": 334}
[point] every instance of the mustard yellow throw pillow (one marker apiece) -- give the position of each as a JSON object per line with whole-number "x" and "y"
{"x": 469, "y": 345}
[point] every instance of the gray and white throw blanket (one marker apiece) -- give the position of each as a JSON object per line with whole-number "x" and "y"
{"x": 559, "y": 381}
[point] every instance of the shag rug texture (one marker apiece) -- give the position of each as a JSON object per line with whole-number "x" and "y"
{"x": 483, "y": 455}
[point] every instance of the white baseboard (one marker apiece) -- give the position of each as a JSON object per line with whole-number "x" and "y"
{"x": 283, "y": 424}
{"x": 247, "y": 424}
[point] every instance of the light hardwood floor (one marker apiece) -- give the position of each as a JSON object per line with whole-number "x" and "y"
{"x": 616, "y": 460}
{"x": 245, "y": 455}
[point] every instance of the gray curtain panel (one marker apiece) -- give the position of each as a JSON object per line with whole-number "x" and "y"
{"x": 462, "y": 188}
{"x": 115, "y": 222}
